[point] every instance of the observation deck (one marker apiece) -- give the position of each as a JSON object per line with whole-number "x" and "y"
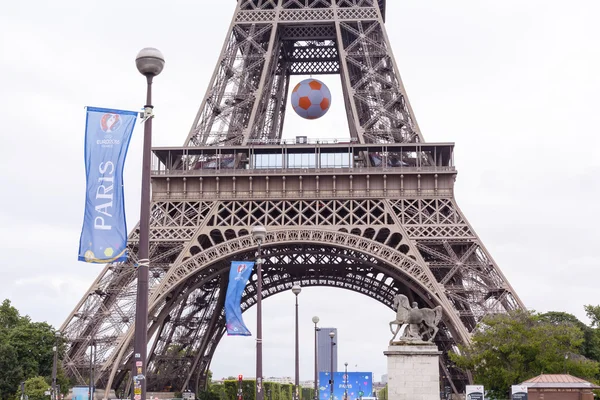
{"x": 260, "y": 4}
{"x": 299, "y": 168}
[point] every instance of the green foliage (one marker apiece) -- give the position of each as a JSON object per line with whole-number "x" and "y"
{"x": 593, "y": 313}
{"x": 10, "y": 371}
{"x": 35, "y": 388}
{"x": 25, "y": 352}
{"x": 510, "y": 348}
{"x": 248, "y": 389}
{"x": 307, "y": 393}
{"x": 61, "y": 379}
{"x": 9, "y": 316}
{"x": 590, "y": 347}
{"x": 176, "y": 395}
{"x": 273, "y": 391}
{"x": 217, "y": 391}
{"x": 383, "y": 393}
{"x": 287, "y": 391}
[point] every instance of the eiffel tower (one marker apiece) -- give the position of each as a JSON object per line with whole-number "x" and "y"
{"x": 375, "y": 213}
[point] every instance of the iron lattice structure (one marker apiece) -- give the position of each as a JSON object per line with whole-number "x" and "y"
{"x": 375, "y": 214}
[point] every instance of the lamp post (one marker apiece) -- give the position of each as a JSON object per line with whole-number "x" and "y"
{"x": 331, "y": 335}
{"x": 92, "y": 362}
{"x": 296, "y": 289}
{"x": 315, "y": 321}
{"x": 55, "y": 366}
{"x": 346, "y": 381}
{"x": 150, "y": 62}
{"x": 259, "y": 233}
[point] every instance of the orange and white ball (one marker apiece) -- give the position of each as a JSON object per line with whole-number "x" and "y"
{"x": 311, "y": 99}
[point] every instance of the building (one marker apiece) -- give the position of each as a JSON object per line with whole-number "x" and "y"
{"x": 281, "y": 380}
{"x": 307, "y": 384}
{"x": 559, "y": 387}
{"x": 324, "y": 350}
{"x": 384, "y": 379}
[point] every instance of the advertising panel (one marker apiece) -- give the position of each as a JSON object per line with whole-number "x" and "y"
{"x": 519, "y": 392}
{"x": 355, "y": 384}
{"x": 475, "y": 392}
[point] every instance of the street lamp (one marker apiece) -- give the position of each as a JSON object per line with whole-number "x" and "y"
{"x": 150, "y": 63}
{"x": 315, "y": 321}
{"x": 259, "y": 233}
{"x": 331, "y": 335}
{"x": 346, "y": 381}
{"x": 92, "y": 363}
{"x": 55, "y": 366}
{"x": 296, "y": 289}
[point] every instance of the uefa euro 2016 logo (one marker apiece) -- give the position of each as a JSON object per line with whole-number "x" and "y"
{"x": 240, "y": 269}
{"x": 110, "y": 123}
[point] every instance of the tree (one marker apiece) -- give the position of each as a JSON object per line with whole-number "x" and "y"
{"x": 590, "y": 347}
{"x": 26, "y": 351}
{"x": 593, "y": 313}
{"x": 9, "y": 316}
{"x": 510, "y": 348}
{"x": 35, "y": 388}
{"x": 10, "y": 371}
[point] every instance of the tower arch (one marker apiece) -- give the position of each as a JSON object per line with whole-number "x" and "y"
{"x": 307, "y": 256}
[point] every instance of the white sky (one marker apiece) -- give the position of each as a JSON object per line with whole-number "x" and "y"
{"x": 514, "y": 83}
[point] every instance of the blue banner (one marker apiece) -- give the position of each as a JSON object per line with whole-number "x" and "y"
{"x": 358, "y": 384}
{"x": 238, "y": 277}
{"x": 104, "y": 233}
{"x": 81, "y": 393}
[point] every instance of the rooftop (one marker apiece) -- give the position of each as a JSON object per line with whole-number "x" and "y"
{"x": 564, "y": 381}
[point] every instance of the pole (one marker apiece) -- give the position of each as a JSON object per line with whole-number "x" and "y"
{"x": 91, "y": 366}
{"x": 297, "y": 381}
{"x": 331, "y": 371}
{"x": 346, "y": 381}
{"x": 141, "y": 309}
{"x": 54, "y": 367}
{"x": 260, "y": 395}
{"x": 316, "y": 365}
{"x": 92, "y": 372}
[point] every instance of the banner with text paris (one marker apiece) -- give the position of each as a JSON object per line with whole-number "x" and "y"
{"x": 238, "y": 277}
{"x": 104, "y": 233}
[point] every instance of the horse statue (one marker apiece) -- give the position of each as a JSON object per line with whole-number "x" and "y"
{"x": 421, "y": 322}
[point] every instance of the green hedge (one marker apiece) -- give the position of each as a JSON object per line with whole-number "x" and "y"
{"x": 273, "y": 391}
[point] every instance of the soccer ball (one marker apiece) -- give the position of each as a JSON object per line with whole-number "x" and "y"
{"x": 311, "y": 99}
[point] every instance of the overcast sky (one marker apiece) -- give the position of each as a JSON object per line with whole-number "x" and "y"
{"x": 513, "y": 83}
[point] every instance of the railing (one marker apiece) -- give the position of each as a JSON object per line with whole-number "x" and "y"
{"x": 297, "y": 194}
{"x": 301, "y": 140}
{"x": 303, "y": 171}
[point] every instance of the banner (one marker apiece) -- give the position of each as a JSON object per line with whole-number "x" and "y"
{"x": 357, "y": 384}
{"x": 238, "y": 277}
{"x": 475, "y": 392}
{"x": 519, "y": 392}
{"x": 104, "y": 233}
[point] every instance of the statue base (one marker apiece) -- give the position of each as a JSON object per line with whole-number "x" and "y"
{"x": 413, "y": 370}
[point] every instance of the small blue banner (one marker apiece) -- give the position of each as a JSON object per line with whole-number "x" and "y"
{"x": 104, "y": 233}
{"x": 238, "y": 277}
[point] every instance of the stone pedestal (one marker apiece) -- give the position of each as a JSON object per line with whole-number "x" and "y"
{"x": 413, "y": 371}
